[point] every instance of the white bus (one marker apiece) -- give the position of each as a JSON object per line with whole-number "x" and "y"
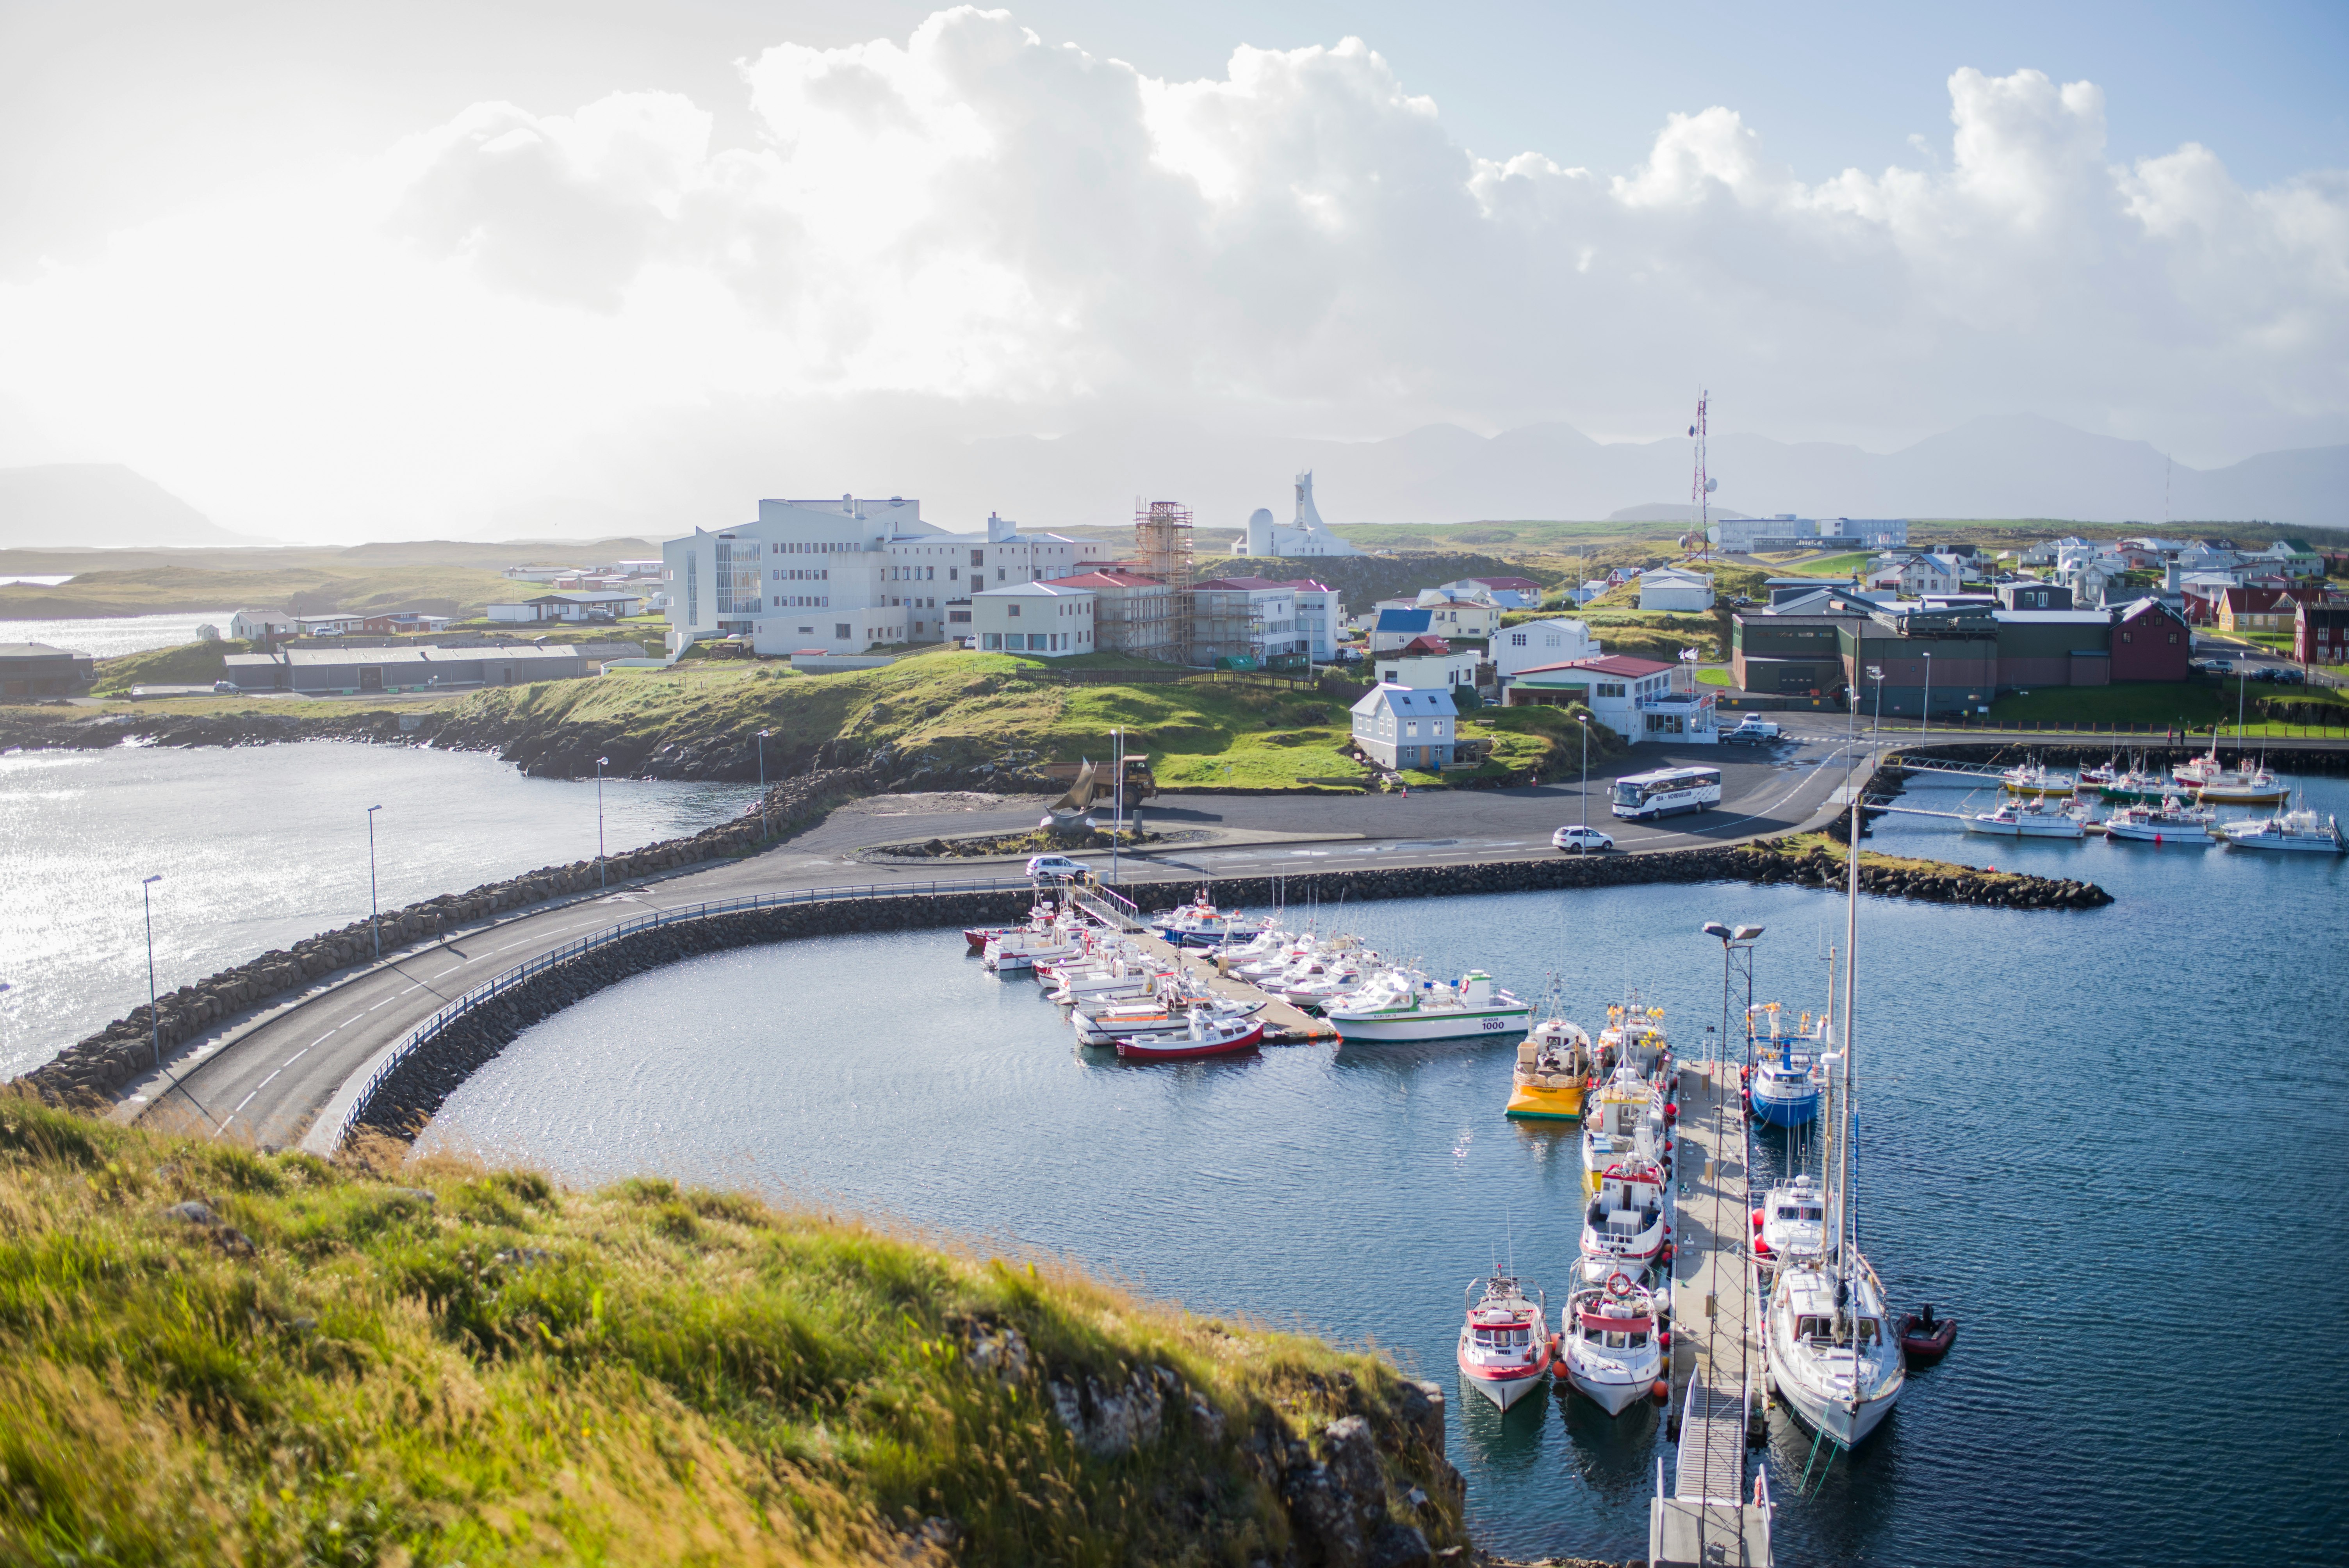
{"x": 1645, "y": 796}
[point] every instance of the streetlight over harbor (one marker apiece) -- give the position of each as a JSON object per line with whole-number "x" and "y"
{"x": 1734, "y": 940}
{"x": 601, "y": 763}
{"x": 1583, "y": 720}
{"x": 762, "y": 781}
{"x": 154, "y": 1026}
{"x": 374, "y": 916}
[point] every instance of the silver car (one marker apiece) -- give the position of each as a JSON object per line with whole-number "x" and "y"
{"x": 1580, "y": 839}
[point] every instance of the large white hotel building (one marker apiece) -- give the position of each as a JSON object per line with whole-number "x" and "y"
{"x": 848, "y": 574}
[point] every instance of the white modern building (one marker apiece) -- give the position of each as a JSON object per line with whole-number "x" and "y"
{"x": 1051, "y": 619}
{"x": 1243, "y": 617}
{"x": 844, "y": 575}
{"x": 1320, "y": 613}
{"x": 1428, "y": 664}
{"x": 1670, "y": 588}
{"x": 1554, "y": 642}
{"x": 1307, "y": 535}
{"x": 1750, "y": 535}
{"x": 1397, "y": 726}
{"x": 566, "y": 606}
{"x": 1639, "y": 699}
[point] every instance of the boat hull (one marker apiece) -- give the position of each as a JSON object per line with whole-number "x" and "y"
{"x": 2060, "y": 828}
{"x": 2240, "y": 795}
{"x": 1179, "y": 1047}
{"x": 1613, "y": 1390}
{"x": 2293, "y": 845}
{"x": 1531, "y": 1103}
{"x": 2191, "y": 835}
{"x": 1793, "y": 1110}
{"x": 1504, "y": 1390}
{"x": 1841, "y": 1422}
{"x": 1429, "y": 1025}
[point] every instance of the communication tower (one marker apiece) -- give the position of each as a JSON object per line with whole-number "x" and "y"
{"x": 1162, "y": 548}
{"x": 1700, "y": 490}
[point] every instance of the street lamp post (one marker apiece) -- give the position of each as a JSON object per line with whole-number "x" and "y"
{"x": 375, "y": 916}
{"x": 1925, "y": 720}
{"x": 600, "y": 880}
{"x": 1117, "y": 805}
{"x": 154, "y": 1025}
{"x": 1583, "y": 719}
{"x": 762, "y": 781}
{"x": 1736, "y": 940}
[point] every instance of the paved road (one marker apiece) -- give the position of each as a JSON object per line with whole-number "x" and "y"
{"x": 264, "y": 1081}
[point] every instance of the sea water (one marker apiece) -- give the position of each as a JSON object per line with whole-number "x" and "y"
{"x": 2109, "y": 1142}
{"x": 259, "y": 847}
{"x": 112, "y": 636}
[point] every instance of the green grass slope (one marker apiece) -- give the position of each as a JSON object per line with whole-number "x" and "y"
{"x": 302, "y": 591}
{"x": 212, "y": 1356}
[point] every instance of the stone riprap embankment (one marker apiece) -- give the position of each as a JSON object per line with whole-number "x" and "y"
{"x": 89, "y": 1073}
{"x": 2288, "y": 755}
{"x": 413, "y": 1091}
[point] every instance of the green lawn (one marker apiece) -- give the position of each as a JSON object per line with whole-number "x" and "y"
{"x": 1830, "y": 566}
{"x": 1713, "y": 677}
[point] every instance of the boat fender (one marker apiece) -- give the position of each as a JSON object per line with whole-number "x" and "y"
{"x": 1662, "y": 1391}
{"x": 1758, "y": 1219}
{"x": 1667, "y": 1254}
{"x": 1663, "y": 1339}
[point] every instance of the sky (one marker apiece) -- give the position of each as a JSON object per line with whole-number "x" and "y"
{"x": 342, "y": 270}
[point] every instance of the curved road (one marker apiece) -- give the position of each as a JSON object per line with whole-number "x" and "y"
{"x": 263, "y": 1078}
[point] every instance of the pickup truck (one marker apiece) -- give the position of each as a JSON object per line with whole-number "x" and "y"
{"x": 1750, "y": 728}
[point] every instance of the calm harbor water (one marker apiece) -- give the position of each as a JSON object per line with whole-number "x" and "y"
{"x": 112, "y": 636}
{"x": 2109, "y": 1142}
{"x": 258, "y": 847}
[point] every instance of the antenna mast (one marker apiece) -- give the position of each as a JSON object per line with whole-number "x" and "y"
{"x": 1700, "y": 489}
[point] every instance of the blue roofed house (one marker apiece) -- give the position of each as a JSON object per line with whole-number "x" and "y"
{"x": 1393, "y": 628}
{"x": 1397, "y": 726}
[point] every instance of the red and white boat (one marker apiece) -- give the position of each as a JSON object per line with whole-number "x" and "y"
{"x": 1504, "y": 1344}
{"x": 1614, "y": 1350}
{"x": 1206, "y": 1036}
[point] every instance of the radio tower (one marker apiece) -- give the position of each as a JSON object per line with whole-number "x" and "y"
{"x": 1700, "y": 489}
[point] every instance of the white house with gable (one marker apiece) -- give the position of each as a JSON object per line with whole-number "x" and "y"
{"x": 1051, "y": 619}
{"x": 1397, "y": 726}
{"x": 1670, "y": 588}
{"x": 1554, "y": 642}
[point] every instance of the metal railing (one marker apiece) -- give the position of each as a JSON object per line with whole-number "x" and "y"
{"x": 430, "y": 1028}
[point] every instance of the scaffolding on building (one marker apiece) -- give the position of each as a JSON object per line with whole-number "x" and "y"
{"x": 1162, "y": 548}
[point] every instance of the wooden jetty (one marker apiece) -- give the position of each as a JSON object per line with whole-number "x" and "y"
{"x": 1284, "y": 1024}
{"x": 1708, "y": 1515}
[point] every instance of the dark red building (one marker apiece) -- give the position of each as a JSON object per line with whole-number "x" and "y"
{"x": 2150, "y": 643}
{"x": 2320, "y": 634}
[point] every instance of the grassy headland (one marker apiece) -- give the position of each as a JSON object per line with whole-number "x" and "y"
{"x": 300, "y": 591}
{"x": 209, "y": 1355}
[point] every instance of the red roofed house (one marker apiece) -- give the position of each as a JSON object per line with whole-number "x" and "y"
{"x": 1132, "y": 613}
{"x": 2261, "y": 608}
{"x": 1639, "y": 700}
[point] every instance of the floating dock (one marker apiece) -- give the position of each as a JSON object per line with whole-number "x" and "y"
{"x": 1708, "y": 1516}
{"x": 1284, "y": 1024}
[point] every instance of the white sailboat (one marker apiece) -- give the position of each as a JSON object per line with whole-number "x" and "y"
{"x": 1831, "y": 1349}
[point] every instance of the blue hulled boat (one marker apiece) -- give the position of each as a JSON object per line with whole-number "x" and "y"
{"x": 1784, "y": 1079}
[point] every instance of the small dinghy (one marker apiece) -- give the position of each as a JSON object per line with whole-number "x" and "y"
{"x": 1925, "y": 1339}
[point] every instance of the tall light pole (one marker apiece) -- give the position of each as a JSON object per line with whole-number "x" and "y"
{"x": 1925, "y": 720}
{"x": 762, "y": 781}
{"x": 1734, "y": 940}
{"x": 154, "y": 1025}
{"x": 1583, "y": 719}
{"x": 600, "y": 879}
{"x": 1117, "y": 805}
{"x": 374, "y": 916}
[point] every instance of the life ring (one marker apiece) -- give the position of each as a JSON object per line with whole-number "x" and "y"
{"x": 1619, "y": 1283}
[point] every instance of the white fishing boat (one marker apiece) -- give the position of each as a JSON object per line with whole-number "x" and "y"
{"x": 2244, "y": 787}
{"x": 1624, "y": 1226}
{"x": 1613, "y": 1343}
{"x": 1318, "y": 981}
{"x": 1791, "y": 1223}
{"x": 1200, "y": 923}
{"x": 1023, "y": 948}
{"x": 1135, "y": 1020}
{"x": 2171, "y": 822}
{"x": 2028, "y": 819}
{"x": 1829, "y": 1349}
{"x": 1202, "y": 1036}
{"x": 1404, "y": 1005}
{"x": 1622, "y": 1120}
{"x": 1505, "y": 1344}
{"x": 1634, "y": 1033}
{"x": 2302, "y": 831}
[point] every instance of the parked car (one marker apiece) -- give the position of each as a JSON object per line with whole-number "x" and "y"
{"x": 1751, "y": 730}
{"x": 1574, "y": 837}
{"x": 2215, "y": 666}
{"x": 1043, "y": 866}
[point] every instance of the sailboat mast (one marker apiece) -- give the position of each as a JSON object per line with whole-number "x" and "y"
{"x": 1843, "y": 1110}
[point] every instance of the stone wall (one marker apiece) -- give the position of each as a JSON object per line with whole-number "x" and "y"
{"x": 417, "y": 1087}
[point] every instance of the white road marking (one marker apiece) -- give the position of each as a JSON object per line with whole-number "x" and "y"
{"x": 245, "y": 1101}
{"x": 264, "y": 1084}
{"x": 297, "y": 1055}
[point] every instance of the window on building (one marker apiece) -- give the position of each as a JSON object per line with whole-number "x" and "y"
{"x": 978, "y": 558}
{"x": 843, "y": 631}
{"x": 1012, "y": 610}
{"x": 1036, "y": 642}
{"x": 990, "y": 639}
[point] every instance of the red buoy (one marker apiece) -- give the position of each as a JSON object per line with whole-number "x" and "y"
{"x": 1672, "y": 1111}
{"x": 1662, "y": 1391}
{"x": 1758, "y": 1219}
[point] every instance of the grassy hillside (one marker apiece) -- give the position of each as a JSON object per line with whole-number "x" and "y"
{"x": 212, "y": 1356}
{"x": 303, "y": 590}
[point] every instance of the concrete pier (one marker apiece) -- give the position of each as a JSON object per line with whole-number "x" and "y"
{"x": 1708, "y": 1515}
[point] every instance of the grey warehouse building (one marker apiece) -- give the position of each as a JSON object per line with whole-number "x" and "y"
{"x": 332, "y": 672}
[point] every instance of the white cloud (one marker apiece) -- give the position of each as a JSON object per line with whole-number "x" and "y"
{"x": 973, "y": 220}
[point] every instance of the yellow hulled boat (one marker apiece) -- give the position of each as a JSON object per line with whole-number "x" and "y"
{"x": 1553, "y": 1074}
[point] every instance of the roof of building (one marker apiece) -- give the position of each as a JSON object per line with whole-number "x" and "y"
{"x": 1675, "y": 574}
{"x": 1250, "y": 585}
{"x": 1507, "y": 584}
{"x": 1061, "y": 589}
{"x": 1405, "y": 620}
{"x": 2054, "y": 617}
{"x": 32, "y": 651}
{"x": 1430, "y": 644}
{"x": 2136, "y": 607}
{"x": 1405, "y": 699}
{"x": 1307, "y": 585}
{"x": 1111, "y": 579}
{"x": 420, "y": 653}
{"x": 1622, "y": 665}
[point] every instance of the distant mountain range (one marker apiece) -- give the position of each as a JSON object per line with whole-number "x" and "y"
{"x": 91, "y": 504}
{"x": 2006, "y": 466}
